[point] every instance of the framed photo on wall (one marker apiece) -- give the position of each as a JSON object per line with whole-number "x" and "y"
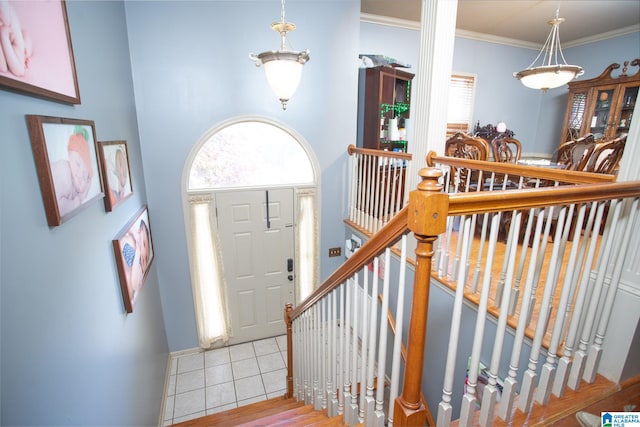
{"x": 36, "y": 56}
{"x": 133, "y": 249}
{"x": 116, "y": 173}
{"x": 64, "y": 151}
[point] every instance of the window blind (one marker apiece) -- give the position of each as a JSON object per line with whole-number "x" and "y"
{"x": 461, "y": 98}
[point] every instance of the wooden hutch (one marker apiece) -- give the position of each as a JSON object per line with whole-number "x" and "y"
{"x": 602, "y": 106}
{"x": 385, "y": 95}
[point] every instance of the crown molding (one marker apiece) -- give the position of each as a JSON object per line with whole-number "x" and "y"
{"x": 415, "y": 25}
{"x": 497, "y": 39}
{"x": 603, "y": 36}
{"x": 389, "y": 22}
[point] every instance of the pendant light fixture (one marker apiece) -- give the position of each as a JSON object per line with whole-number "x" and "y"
{"x": 549, "y": 75}
{"x": 283, "y": 67}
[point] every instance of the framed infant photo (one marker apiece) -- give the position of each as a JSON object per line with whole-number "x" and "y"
{"x": 116, "y": 174}
{"x": 64, "y": 151}
{"x": 36, "y": 56}
{"x": 133, "y": 249}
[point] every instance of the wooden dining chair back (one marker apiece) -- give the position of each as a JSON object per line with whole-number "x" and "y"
{"x": 506, "y": 149}
{"x": 462, "y": 145}
{"x": 575, "y": 154}
{"x": 466, "y": 146}
{"x": 606, "y": 156}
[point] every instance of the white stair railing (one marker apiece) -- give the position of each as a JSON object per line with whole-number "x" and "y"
{"x": 348, "y": 323}
{"x": 378, "y": 190}
{"x": 536, "y": 273}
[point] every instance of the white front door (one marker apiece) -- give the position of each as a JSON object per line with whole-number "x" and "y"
{"x": 257, "y": 251}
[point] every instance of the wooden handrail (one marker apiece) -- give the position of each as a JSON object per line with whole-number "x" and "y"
{"x": 549, "y": 174}
{"x": 352, "y": 149}
{"x": 504, "y": 200}
{"x": 384, "y": 238}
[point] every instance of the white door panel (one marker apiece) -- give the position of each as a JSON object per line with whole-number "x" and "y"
{"x": 255, "y": 250}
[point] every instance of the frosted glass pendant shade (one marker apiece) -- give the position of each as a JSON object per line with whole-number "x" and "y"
{"x": 283, "y": 67}
{"x": 548, "y": 77}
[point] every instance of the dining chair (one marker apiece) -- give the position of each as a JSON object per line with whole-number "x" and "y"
{"x": 606, "y": 156}
{"x": 464, "y": 146}
{"x": 506, "y": 149}
{"x": 575, "y": 154}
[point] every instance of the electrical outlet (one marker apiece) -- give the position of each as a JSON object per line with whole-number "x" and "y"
{"x": 335, "y": 251}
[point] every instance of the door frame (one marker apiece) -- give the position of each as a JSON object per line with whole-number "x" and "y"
{"x": 310, "y": 191}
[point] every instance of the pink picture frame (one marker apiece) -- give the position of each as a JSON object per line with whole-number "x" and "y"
{"x": 36, "y": 58}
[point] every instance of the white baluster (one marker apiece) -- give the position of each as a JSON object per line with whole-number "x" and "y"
{"x": 373, "y": 323}
{"x": 320, "y": 357}
{"x": 382, "y": 348}
{"x": 490, "y": 394}
{"x": 523, "y": 257}
{"x": 455, "y": 276}
{"x": 444, "y": 408}
{"x": 333, "y": 355}
{"x": 353, "y": 407}
{"x": 361, "y": 190}
{"x": 397, "y": 341}
{"x": 469, "y": 399}
{"x": 341, "y": 357}
{"x": 353, "y": 165}
{"x": 296, "y": 354}
{"x": 346, "y": 387}
{"x": 371, "y": 175}
{"x": 483, "y": 236}
{"x": 365, "y": 343}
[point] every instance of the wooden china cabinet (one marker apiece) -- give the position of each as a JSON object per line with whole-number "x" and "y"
{"x": 385, "y": 100}
{"x": 603, "y": 105}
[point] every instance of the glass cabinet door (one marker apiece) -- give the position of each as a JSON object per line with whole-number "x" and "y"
{"x": 629, "y": 97}
{"x": 602, "y": 112}
{"x": 576, "y": 115}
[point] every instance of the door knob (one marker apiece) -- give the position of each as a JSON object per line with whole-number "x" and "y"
{"x": 290, "y": 277}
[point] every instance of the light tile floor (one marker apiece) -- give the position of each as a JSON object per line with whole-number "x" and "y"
{"x": 205, "y": 382}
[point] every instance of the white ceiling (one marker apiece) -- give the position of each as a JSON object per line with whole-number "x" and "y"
{"x": 526, "y": 21}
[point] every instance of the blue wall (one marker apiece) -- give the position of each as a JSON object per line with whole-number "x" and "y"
{"x": 192, "y": 70}
{"x": 70, "y": 353}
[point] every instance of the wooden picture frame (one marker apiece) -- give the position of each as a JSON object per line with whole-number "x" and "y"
{"x": 133, "y": 249}
{"x": 37, "y": 57}
{"x": 116, "y": 172}
{"x": 64, "y": 151}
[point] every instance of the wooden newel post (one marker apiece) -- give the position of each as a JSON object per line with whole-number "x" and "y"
{"x": 287, "y": 319}
{"x": 428, "y": 210}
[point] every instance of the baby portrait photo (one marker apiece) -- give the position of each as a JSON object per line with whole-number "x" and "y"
{"x": 114, "y": 157}
{"x": 66, "y": 160}
{"x": 35, "y": 50}
{"x": 133, "y": 250}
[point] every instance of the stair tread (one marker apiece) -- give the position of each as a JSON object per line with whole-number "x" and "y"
{"x": 244, "y": 414}
{"x": 275, "y": 418}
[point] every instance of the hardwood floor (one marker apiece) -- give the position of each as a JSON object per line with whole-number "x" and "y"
{"x": 629, "y": 395}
